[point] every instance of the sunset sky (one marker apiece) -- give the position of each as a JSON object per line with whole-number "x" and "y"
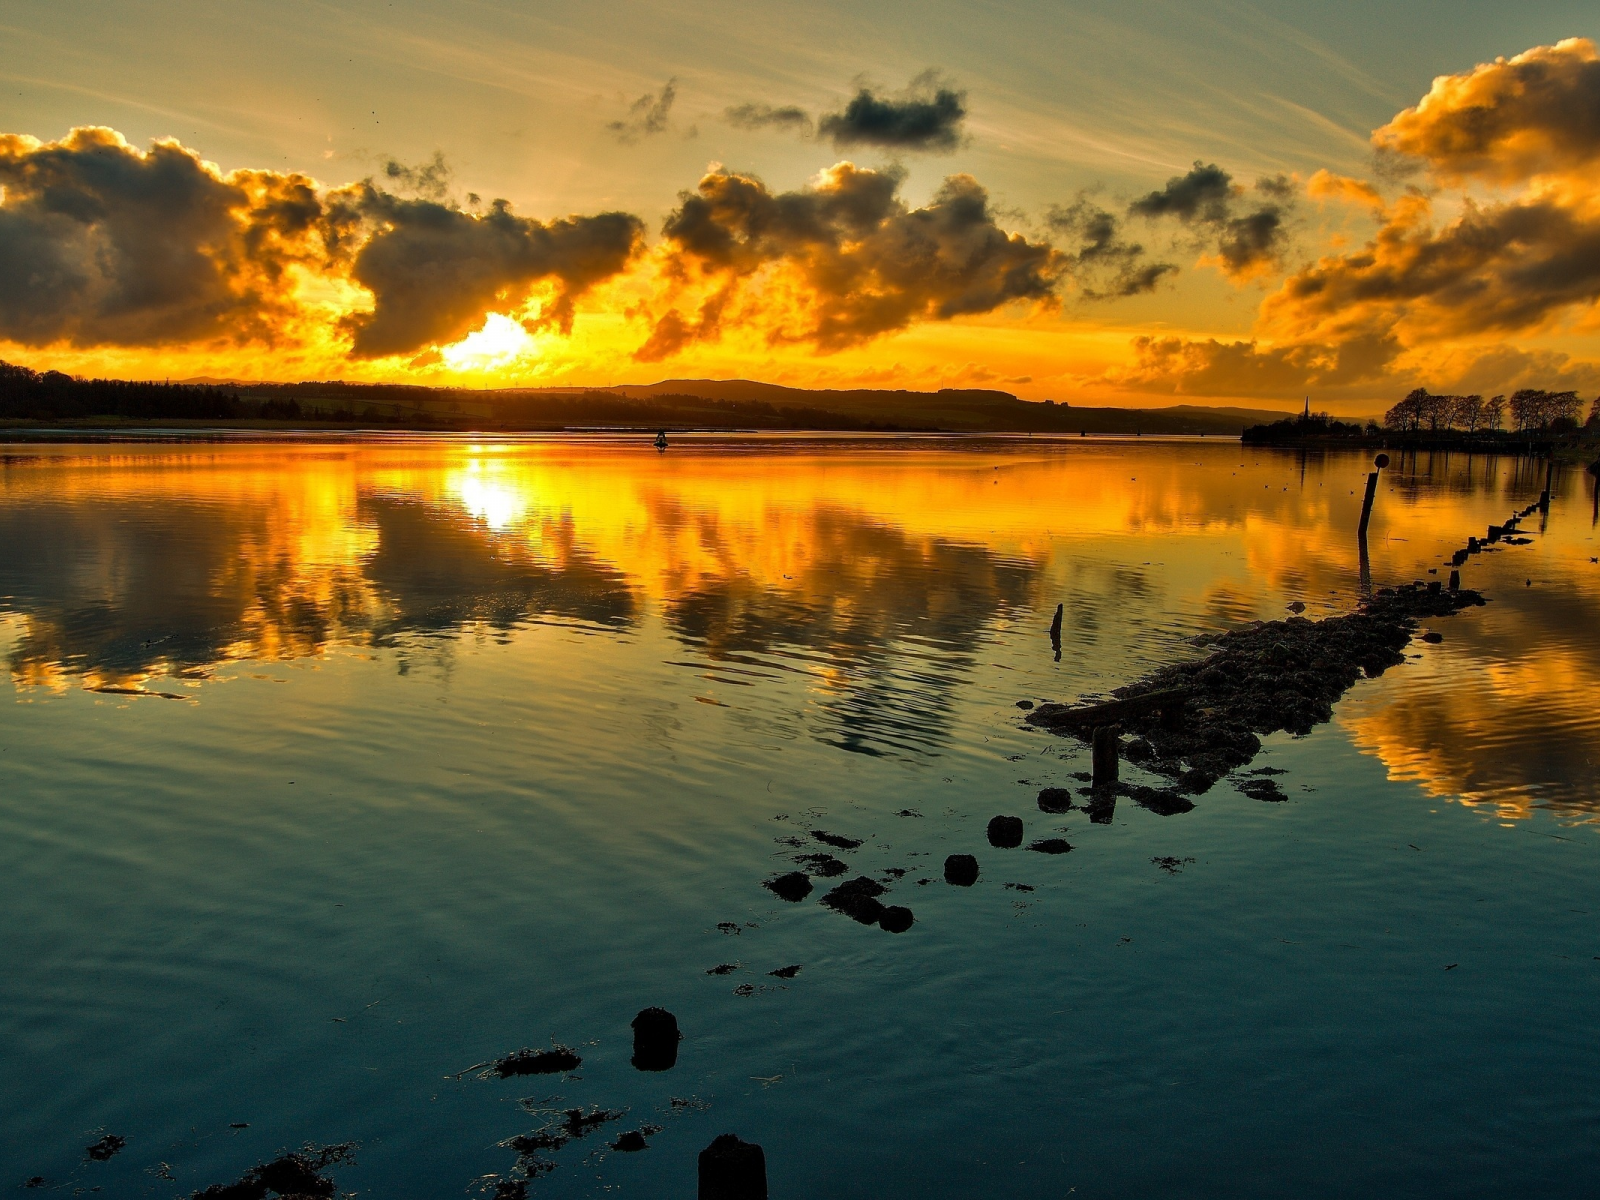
{"x": 1134, "y": 203}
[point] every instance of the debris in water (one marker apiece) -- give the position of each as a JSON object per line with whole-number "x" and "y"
{"x": 908, "y": 812}
{"x": 295, "y": 1175}
{"x": 573, "y": 1124}
{"x": 1005, "y": 833}
{"x": 786, "y": 972}
{"x": 1020, "y": 887}
{"x": 793, "y": 886}
{"x": 824, "y": 865}
{"x": 722, "y": 969}
{"x": 1024, "y": 704}
{"x": 838, "y": 841}
{"x": 1051, "y": 846}
{"x": 731, "y": 928}
{"x": 961, "y": 870}
{"x": 1260, "y": 789}
{"x": 105, "y": 1148}
{"x": 1171, "y": 865}
{"x": 554, "y": 1061}
{"x": 633, "y": 1140}
{"x": 1432, "y": 638}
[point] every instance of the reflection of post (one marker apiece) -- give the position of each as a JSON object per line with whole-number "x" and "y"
{"x": 1594, "y": 469}
{"x": 1104, "y": 755}
{"x": 1055, "y": 632}
{"x": 1549, "y": 478}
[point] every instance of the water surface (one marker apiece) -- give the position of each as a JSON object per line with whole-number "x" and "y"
{"x": 336, "y": 767}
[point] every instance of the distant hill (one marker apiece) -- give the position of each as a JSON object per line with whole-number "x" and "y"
{"x": 975, "y": 410}
{"x": 670, "y": 404}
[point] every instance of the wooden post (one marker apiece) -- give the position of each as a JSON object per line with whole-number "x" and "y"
{"x": 1455, "y": 581}
{"x": 733, "y": 1169}
{"x": 1366, "y": 505}
{"x": 1549, "y": 478}
{"x": 1055, "y": 624}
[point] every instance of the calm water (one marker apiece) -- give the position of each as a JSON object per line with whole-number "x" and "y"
{"x": 331, "y": 769}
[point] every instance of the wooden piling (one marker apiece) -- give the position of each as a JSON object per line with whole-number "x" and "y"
{"x": 1105, "y": 755}
{"x": 1366, "y": 505}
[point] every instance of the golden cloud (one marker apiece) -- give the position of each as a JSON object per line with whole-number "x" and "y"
{"x": 840, "y": 262}
{"x": 1524, "y": 262}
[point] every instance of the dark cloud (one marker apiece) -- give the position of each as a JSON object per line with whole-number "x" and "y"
{"x": 649, "y": 114}
{"x": 1105, "y": 266}
{"x": 1206, "y": 198}
{"x": 431, "y": 180}
{"x": 434, "y": 271}
{"x": 927, "y": 116}
{"x": 101, "y": 243}
{"x": 1204, "y": 194}
{"x": 787, "y": 119}
{"x": 846, "y": 258}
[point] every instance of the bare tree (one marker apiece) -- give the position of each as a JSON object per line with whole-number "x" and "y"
{"x": 1467, "y": 413}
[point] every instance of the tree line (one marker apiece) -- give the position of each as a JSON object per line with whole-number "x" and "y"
{"x": 1529, "y": 410}
{"x": 50, "y": 395}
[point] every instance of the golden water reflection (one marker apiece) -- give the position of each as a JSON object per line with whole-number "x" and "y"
{"x": 879, "y": 569}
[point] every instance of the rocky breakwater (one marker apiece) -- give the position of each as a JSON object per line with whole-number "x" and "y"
{"x": 1193, "y": 722}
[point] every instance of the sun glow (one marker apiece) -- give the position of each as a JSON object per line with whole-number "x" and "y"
{"x": 499, "y": 343}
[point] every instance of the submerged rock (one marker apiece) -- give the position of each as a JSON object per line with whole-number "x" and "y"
{"x": 655, "y": 1040}
{"x": 858, "y": 899}
{"x": 1005, "y": 833}
{"x": 895, "y": 919}
{"x": 793, "y": 886}
{"x": 298, "y": 1175}
{"x": 961, "y": 870}
{"x": 732, "y": 1169}
{"x": 1163, "y": 802}
{"x": 105, "y": 1148}
{"x": 1054, "y": 800}
{"x": 1261, "y": 789}
{"x": 1051, "y": 846}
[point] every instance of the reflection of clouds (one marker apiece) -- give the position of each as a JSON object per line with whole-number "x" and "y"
{"x": 875, "y": 574}
{"x": 1503, "y": 714}
{"x": 887, "y": 622}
